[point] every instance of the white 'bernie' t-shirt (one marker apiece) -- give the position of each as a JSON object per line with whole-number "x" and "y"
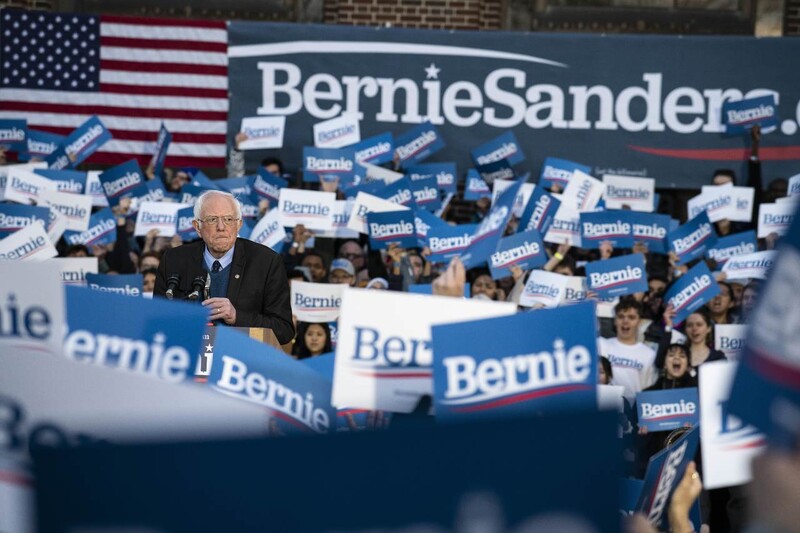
{"x": 632, "y": 364}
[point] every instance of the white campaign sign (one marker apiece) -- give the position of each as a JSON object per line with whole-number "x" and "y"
{"x": 729, "y": 339}
{"x": 565, "y": 228}
{"x": 749, "y": 266}
{"x": 717, "y": 206}
{"x": 263, "y": 132}
{"x": 34, "y": 292}
{"x": 636, "y": 193}
{"x": 341, "y": 216}
{"x": 313, "y": 209}
{"x": 31, "y": 243}
{"x": 269, "y": 231}
{"x": 161, "y": 216}
{"x": 56, "y": 227}
{"x": 337, "y": 132}
{"x": 75, "y": 208}
{"x": 575, "y": 289}
{"x": 543, "y": 288}
{"x": 374, "y": 172}
{"x": 4, "y": 170}
{"x": 583, "y": 192}
{"x": 24, "y": 187}
{"x": 728, "y": 445}
{"x": 741, "y": 204}
{"x": 383, "y": 352}
{"x": 95, "y": 189}
{"x": 366, "y": 203}
{"x": 102, "y": 403}
{"x": 523, "y": 196}
{"x": 794, "y": 185}
{"x": 316, "y": 302}
{"x": 775, "y": 218}
{"x": 73, "y": 270}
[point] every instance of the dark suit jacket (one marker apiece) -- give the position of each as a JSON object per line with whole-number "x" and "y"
{"x": 258, "y": 287}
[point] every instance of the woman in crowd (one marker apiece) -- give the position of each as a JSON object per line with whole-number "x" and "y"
{"x": 699, "y": 331}
{"x": 312, "y": 340}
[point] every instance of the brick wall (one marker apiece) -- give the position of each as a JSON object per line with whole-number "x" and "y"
{"x": 791, "y": 18}
{"x": 428, "y": 14}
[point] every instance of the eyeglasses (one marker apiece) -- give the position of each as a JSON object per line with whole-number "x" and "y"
{"x": 352, "y": 256}
{"x": 213, "y": 221}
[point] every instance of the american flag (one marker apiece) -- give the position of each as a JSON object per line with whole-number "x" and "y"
{"x": 59, "y": 69}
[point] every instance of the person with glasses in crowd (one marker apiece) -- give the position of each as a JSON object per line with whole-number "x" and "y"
{"x": 248, "y": 288}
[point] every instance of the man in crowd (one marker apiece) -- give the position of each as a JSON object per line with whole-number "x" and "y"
{"x": 248, "y": 287}
{"x": 631, "y": 361}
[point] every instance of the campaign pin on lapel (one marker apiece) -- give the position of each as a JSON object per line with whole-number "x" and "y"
{"x": 236, "y": 276}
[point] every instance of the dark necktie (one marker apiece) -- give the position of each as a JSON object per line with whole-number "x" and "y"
{"x": 216, "y": 266}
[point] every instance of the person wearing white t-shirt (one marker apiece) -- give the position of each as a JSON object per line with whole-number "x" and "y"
{"x": 632, "y": 361}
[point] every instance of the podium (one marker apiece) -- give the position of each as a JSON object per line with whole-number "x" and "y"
{"x": 264, "y": 335}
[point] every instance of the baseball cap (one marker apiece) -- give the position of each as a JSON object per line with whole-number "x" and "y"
{"x": 343, "y": 264}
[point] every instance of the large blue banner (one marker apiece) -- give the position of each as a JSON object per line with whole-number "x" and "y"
{"x": 553, "y": 367}
{"x": 621, "y": 104}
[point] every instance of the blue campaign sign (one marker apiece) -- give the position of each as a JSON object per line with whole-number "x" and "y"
{"x": 126, "y": 284}
{"x": 485, "y": 239}
{"x": 102, "y": 230}
{"x": 766, "y": 389}
{"x": 14, "y": 134}
{"x": 267, "y": 185}
{"x": 445, "y": 174}
{"x": 58, "y": 160}
{"x": 328, "y": 164}
{"x": 391, "y": 227}
{"x": 540, "y": 211}
{"x": 40, "y": 145}
{"x": 741, "y": 115}
{"x": 475, "y": 187}
{"x": 691, "y": 291}
{"x": 426, "y": 194}
{"x": 427, "y": 288}
{"x": 497, "y": 170}
{"x": 158, "y": 338}
{"x": 101, "y": 487}
{"x": 617, "y": 276}
{"x": 691, "y": 240}
{"x": 423, "y": 222}
{"x": 375, "y": 150}
{"x": 398, "y": 192}
{"x": 160, "y": 151}
{"x": 665, "y": 410}
{"x": 199, "y": 179}
{"x": 664, "y": 471}
{"x": 122, "y": 181}
{"x": 732, "y": 245}
{"x": 504, "y": 147}
{"x": 298, "y": 397}
{"x": 417, "y": 144}
{"x": 557, "y": 171}
{"x": 184, "y": 226}
{"x": 85, "y": 140}
{"x": 156, "y": 192}
{"x": 650, "y": 229}
{"x": 629, "y": 492}
{"x": 190, "y": 193}
{"x": 446, "y": 241}
{"x": 599, "y": 226}
{"x": 552, "y": 368}
{"x": 525, "y": 250}
{"x": 241, "y": 186}
{"x": 14, "y": 217}
{"x": 321, "y": 364}
{"x": 66, "y": 180}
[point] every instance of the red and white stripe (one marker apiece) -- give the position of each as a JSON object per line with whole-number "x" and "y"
{"x": 151, "y": 70}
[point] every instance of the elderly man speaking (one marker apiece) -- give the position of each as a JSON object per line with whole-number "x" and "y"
{"x": 248, "y": 284}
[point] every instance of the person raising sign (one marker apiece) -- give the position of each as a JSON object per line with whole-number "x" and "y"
{"x": 248, "y": 287}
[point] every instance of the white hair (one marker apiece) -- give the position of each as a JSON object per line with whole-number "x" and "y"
{"x": 201, "y": 200}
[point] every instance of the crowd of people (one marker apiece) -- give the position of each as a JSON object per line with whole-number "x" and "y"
{"x": 640, "y": 348}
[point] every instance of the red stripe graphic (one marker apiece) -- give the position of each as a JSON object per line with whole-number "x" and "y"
{"x": 773, "y": 370}
{"x": 774, "y": 153}
{"x": 400, "y": 375}
{"x": 520, "y": 398}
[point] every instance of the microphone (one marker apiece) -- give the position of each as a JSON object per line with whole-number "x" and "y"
{"x": 198, "y": 284}
{"x": 207, "y": 286}
{"x": 172, "y": 283}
